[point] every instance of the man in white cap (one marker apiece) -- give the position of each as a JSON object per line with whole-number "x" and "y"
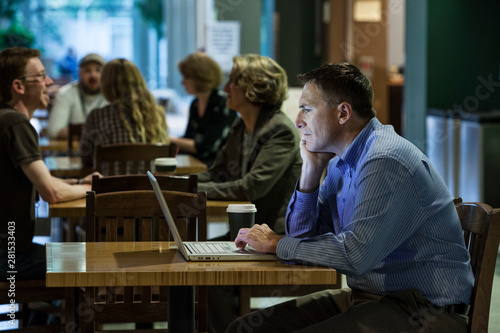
{"x": 75, "y": 100}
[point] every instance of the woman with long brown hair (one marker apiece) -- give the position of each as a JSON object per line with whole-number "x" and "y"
{"x": 131, "y": 116}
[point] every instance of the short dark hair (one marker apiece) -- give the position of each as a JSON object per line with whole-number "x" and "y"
{"x": 343, "y": 82}
{"x": 13, "y": 62}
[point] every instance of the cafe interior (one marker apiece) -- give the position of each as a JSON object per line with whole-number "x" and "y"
{"x": 435, "y": 71}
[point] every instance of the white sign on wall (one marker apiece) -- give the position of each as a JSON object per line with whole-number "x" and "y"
{"x": 223, "y": 42}
{"x": 367, "y": 11}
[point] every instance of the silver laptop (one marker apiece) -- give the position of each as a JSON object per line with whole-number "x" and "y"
{"x": 205, "y": 251}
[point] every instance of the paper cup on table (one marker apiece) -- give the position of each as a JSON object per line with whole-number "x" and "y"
{"x": 240, "y": 216}
{"x": 165, "y": 164}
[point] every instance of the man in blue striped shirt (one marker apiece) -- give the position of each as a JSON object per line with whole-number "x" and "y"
{"x": 382, "y": 216}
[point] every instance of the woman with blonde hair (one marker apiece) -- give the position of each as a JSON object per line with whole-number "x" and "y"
{"x": 131, "y": 115}
{"x": 209, "y": 118}
{"x": 260, "y": 162}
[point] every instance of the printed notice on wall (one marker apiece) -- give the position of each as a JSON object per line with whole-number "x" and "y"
{"x": 367, "y": 11}
{"x": 223, "y": 42}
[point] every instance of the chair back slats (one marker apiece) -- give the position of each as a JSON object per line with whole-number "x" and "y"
{"x": 130, "y": 158}
{"x": 146, "y": 294}
{"x": 144, "y": 228}
{"x": 481, "y": 227}
{"x": 183, "y": 225}
{"x": 473, "y": 244}
{"x": 142, "y": 208}
{"x": 128, "y": 227}
{"x": 128, "y": 295}
{"x": 147, "y": 230}
{"x": 472, "y": 217}
{"x": 163, "y": 294}
{"x": 111, "y": 229}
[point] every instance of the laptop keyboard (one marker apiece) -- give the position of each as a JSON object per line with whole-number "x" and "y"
{"x": 209, "y": 248}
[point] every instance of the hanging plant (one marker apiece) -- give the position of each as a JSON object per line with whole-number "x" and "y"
{"x": 16, "y": 35}
{"x": 8, "y": 9}
{"x": 152, "y": 12}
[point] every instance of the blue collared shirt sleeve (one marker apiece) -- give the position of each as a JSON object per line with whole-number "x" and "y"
{"x": 302, "y": 210}
{"x": 371, "y": 206}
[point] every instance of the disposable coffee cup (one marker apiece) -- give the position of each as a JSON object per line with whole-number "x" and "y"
{"x": 240, "y": 216}
{"x": 165, "y": 164}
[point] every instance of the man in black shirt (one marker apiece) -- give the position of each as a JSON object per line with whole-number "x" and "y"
{"x": 24, "y": 88}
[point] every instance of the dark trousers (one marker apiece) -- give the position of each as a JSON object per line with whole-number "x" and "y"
{"x": 349, "y": 311}
{"x": 223, "y": 302}
{"x": 29, "y": 266}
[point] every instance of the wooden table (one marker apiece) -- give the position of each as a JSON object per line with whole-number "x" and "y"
{"x": 82, "y": 264}
{"x": 74, "y": 210}
{"x": 55, "y": 145}
{"x": 77, "y": 208}
{"x": 64, "y": 166}
{"x": 71, "y": 167}
{"x": 187, "y": 164}
{"x": 156, "y": 263}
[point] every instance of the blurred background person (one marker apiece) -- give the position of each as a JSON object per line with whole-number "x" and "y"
{"x": 74, "y": 101}
{"x": 209, "y": 118}
{"x": 68, "y": 65}
{"x": 131, "y": 115}
{"x": 260, "y": 161}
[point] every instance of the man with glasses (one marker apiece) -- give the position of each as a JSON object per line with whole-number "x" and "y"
{"x": 75, "y": 100}
{"x": 24, "y": 88}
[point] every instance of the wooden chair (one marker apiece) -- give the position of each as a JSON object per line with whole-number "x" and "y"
{"x": 137, "y": 182}
{"x": 130, "y": 158}
{"x": 74, "y": 133}
{"x": 187, "y": 184}
{"x": 120, "y": 159}
{"x": 34, "y": 295}
{"x": 139, "y": 215}
{"x": 481, "y": 226}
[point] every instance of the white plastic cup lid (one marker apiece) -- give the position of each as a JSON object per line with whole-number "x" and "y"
{"x": 241, "y": 208}
{"x": 166, "y": 161}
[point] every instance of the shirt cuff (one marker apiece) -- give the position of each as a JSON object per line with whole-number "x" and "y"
{"x": 287, "y": 247}
{"x": 306, "y": 200}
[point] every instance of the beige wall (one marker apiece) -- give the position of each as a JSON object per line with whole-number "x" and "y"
{"x": 350, "y": 41}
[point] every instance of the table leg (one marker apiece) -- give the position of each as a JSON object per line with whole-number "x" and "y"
{"x": 56, "y": 229}
{"x": 181, "y": 309}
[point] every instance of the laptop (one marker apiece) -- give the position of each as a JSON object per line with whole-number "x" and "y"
{"x": 205, "y": 251}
